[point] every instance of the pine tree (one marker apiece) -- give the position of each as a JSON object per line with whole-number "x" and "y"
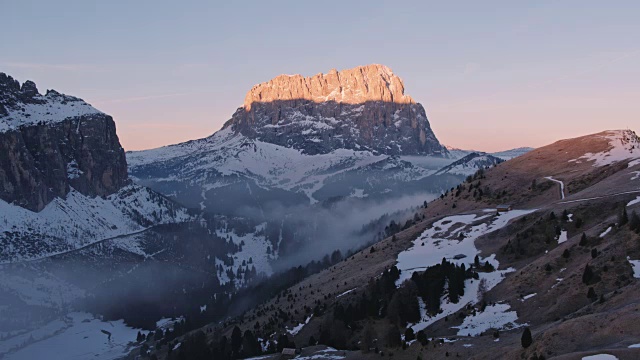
{"x": 587, "y": 276}
{"x": 526, "y": 339}
{"x": 236, "y": 339}
{"x": 634, "y": 222}
{"x": 594, "y": 253}
{"x": 583, "y": 240}
{"x": 566, "y": 254}
{"x": 624, "y": 217}
{"x": 591, "y": 294}
{"x": 409, "y": 334}
{"x": 393, "y": 337}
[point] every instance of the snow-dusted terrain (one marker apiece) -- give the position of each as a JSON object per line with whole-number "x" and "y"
{"x": 77, "y": 221}
{"x": 50, "y": 108}
{"x": 495, "y": 316}
{"x": 75, "y": 336}
{"x": 453, "y": 238}
{"x": 624, "y": 145}
{"x": 227, "y": 158}
{"x": 470, "y": 164}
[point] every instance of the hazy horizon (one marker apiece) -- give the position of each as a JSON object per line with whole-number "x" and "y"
{"x": 531, "y": 74}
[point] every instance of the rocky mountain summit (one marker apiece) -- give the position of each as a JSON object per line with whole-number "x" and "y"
{"x": 363, "y": 108}
{"x": 54, "y": 142}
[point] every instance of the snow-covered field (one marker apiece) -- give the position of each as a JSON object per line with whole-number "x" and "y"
{"x": 443, "y": 240}
{"x": 76, "y": 336}
{"x": 495, "y": 316}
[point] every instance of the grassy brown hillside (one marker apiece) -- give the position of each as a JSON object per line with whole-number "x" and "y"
{"x": 564, "y": 265}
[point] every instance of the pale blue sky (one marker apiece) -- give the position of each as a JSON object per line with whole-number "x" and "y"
{"x": 491, "y": 74}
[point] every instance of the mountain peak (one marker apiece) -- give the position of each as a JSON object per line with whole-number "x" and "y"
{"x": 351, "y": 86}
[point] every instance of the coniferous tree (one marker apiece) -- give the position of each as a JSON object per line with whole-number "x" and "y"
{"x": 624, "y": 217}
{"x": 594, "y": 253}
{"x": 368, "y": 336}
{"x": 236, "y": 340}
{"x": 526, "y": 339}
{"x": 634, "y": 222}
{"x": 587, "y": 275}
{"x": 393, "y": 337}
{"x": 583, "y": 240}
{"x": 566, "y": 254}
{"x": 591, "y": 294}
{"x": 409, "y": 334}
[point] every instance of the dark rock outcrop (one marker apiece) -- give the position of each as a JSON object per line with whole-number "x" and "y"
{"x": 364, "y": 108}
{"x": 44, "y": 153}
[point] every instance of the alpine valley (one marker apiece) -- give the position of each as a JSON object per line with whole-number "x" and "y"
{"x": 324, "y": 215}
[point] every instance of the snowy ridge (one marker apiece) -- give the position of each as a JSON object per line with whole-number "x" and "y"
{"x": 470, "y": 164}
{"x": 50, "y": 108}
{"x": 69, "y": 224}
{"x": 624, "y": 145}
{"x": 219, "y": 160}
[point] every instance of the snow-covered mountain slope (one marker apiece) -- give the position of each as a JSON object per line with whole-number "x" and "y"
{"x": 622, "y": 145}
{"x": 70, "y": 223}
{"x": 456, "y": 153}
{"x": 300, "y": 141}
{"x": 513, "y": 153}
{"x": 63, "y": 177}
{"x": 24, "y": 106}
{"x": 200, "y": 171}
{"x": 470, "y": 164}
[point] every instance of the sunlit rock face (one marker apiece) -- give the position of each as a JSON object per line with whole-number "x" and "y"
{"x": 363, "y": 108}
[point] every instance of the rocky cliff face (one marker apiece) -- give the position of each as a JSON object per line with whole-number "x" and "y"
{"x": 364, "y": 108}
{"x": 49, "y": 143}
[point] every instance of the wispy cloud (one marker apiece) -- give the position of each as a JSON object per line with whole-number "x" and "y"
{"x": 44, "y": 66}
{"x": 140, "y": 98}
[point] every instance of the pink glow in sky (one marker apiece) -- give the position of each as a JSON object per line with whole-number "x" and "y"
{"x": 491, "y": 75}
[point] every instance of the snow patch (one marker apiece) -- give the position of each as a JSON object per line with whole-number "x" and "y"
{"x": 604, "y": 233}
{"x": 624, "y": 145}
{"x": 635, "y": 264}
{"x": 563, "y": 237}
{"x": 80, "y": 330}
{"x": 493, "y": 317}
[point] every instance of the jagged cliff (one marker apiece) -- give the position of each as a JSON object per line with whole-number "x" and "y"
{"x": 363, "y": 108}
{"x": 50, "y": 143}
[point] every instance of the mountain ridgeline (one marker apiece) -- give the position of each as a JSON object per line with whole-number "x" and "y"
{"x": 364, "y": 108}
